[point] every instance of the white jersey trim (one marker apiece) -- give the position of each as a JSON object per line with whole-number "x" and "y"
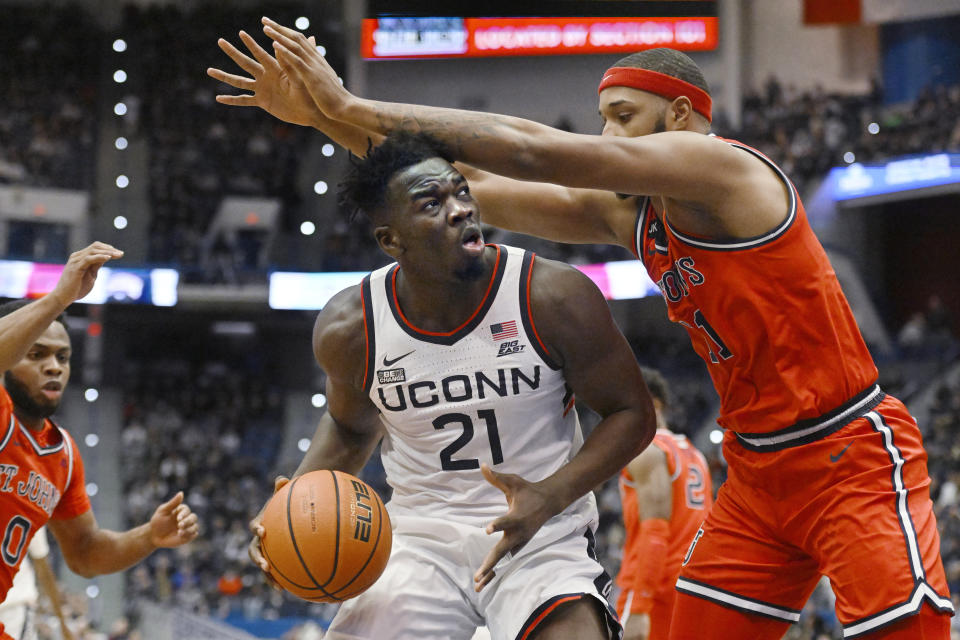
{"x": 44, "y": 451}
{"x": 908, "y": 608}
{"x": 903, "y": 513}
{"x": 10, "y": 429}
{"x": 69, "y": 446}
{"x": 756, "y": 240}
{"x": 872, "y": 395}
{"x": 737, "y": 602}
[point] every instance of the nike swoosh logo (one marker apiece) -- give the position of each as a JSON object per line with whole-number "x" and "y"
{"x": 834, "y": 458}
{"x": 388, "y": 362}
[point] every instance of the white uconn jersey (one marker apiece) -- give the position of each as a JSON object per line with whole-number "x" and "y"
{"x": 486, "y": 392}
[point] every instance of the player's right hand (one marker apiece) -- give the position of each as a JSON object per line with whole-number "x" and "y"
{"x": 80, "y": 272}
{"x": 254, "y": 550}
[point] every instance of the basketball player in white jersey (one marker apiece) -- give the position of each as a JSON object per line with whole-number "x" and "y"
{"x": 464, "y": 358}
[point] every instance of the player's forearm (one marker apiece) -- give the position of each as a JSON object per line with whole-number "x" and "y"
{"x": 616, "y": 440}
{"x": 20, "y": 329}
{"x": 497, "y": 143}
{"x": 351, "y": 137}
{"x": 110, "y": 551}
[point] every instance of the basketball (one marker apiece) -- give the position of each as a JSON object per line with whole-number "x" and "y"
{"x": 326, "y": 536}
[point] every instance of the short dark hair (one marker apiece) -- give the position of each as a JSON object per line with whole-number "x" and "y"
{"x": 657, "y": 385}
{"x": 365, "y": 187}
{"x": 9, "y": 307}
{"x": 669, "y": 62}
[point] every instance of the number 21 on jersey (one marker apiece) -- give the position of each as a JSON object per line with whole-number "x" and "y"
{"x": 447, "y": 463}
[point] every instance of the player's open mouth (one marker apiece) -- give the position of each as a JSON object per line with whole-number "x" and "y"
{"x": 52, "y": 389}
{"x": 472, "y": 240}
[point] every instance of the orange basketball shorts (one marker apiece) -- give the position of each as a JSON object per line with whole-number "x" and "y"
{"x": 853, "y": 505}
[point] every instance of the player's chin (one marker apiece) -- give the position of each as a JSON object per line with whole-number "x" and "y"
{"x": 46, "y": 407}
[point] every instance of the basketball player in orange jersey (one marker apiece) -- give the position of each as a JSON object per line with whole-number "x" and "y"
{"x": 827, "y": 473}
{"x": 41, "y": 471}
{"x": 465, "y": 359}
{"x": 665, "y": 493}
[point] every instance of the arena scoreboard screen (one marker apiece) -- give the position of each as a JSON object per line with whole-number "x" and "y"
{"x": 408, "y": 31}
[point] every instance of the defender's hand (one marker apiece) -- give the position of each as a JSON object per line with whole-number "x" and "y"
{"x": 173, "y": 523}
{"x": 297, "y": 54}
{"x": 80, "y": 272}
{"x": 272, "y": 88}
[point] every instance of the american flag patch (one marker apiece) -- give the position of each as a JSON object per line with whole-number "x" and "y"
{"x": 504, "y": 330}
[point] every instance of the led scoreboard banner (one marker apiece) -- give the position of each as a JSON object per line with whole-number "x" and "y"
{"x": 412, "y": 29}
{"x": 430, "y": 37}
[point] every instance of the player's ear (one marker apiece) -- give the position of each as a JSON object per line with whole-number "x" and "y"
{"x": 388, "y": 240}
{"x": 679, "y": 114}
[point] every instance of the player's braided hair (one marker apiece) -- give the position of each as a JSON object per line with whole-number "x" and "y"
{"x": 667, "y": 61}
{"x": 9, "y": 307}
{"x": 365, "y": 186}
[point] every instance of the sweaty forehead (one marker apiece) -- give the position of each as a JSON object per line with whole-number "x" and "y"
{"x": 423, "y": 175}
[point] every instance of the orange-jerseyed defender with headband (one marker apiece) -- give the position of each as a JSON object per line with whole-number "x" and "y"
{"x": 827, "y": 474}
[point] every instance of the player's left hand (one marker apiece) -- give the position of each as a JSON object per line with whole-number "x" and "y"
{"x": 297, "y": 54}
{"x": 173, "y": 523}
{"x": 529, "y": 506}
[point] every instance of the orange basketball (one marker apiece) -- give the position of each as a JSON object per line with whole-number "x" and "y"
{"x": 326, "y": 536}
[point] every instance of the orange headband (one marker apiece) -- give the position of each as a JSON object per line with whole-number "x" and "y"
{"x": 659, "y": 83}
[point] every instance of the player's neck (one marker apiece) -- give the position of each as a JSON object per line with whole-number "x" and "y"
{"x": 31, "y": 422}
{"x": 441, "y": 304}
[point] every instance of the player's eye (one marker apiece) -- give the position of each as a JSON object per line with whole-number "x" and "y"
{"x": 624, "y": 117}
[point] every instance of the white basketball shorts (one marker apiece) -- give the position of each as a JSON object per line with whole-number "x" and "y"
{"x": 426, "y": 591}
